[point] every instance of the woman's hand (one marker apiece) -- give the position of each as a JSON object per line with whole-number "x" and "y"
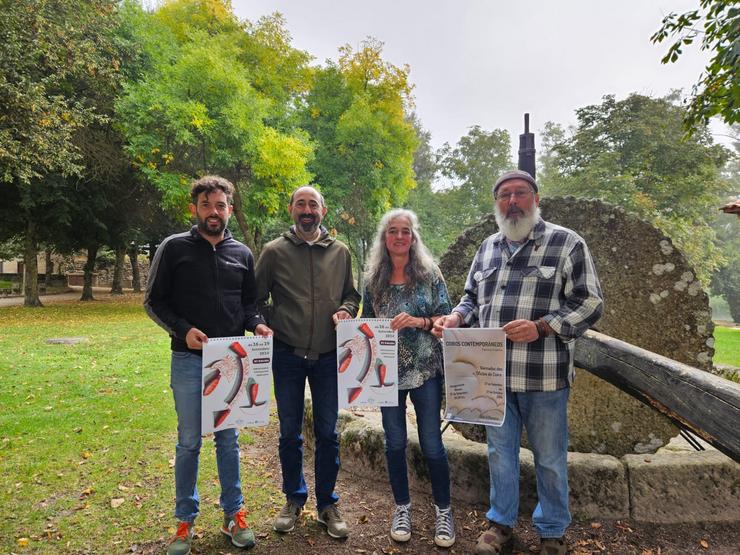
{"x": 405, "y": 320}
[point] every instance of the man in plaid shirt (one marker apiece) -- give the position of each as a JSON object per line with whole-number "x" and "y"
{"x": 537, "y": 281}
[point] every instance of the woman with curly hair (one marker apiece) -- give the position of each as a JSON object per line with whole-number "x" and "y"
{"x": 403, "y": 283}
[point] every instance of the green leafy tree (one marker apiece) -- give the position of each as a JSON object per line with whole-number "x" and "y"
{"x": 474, "y": 164}
{"x": 57, "y": 58}
{"x": 633, "y": 153}
{"x": 206, "y": 106}
{"x": 356, "y": 115}
{"x": 717, "y": 24}
{"x": 726, "y": 280}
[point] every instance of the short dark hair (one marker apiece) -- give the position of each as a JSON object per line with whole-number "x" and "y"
{"x": 208, "y": 184}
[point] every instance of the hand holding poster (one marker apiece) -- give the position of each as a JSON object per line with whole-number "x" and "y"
{"x": 367, "y": 363}
{"x": 237, "y": 382}
{"x": 475, "y": 375}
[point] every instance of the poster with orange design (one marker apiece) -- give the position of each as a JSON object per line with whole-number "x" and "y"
{"x": 237, "y": 383}
{"x": 367, "y": 363}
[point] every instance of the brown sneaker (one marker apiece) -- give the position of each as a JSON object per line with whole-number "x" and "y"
{"x": 553, "y": 546}
{"x": 493, "y": 540}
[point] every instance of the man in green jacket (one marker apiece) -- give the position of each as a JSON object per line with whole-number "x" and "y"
{"x": 304, "y": 287}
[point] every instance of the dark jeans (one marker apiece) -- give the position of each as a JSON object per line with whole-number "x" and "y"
{"x": 427, "y": 400}
{"x": 290, "y": 373}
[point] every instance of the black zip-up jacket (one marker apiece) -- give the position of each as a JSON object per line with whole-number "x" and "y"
{"x": 193, "y": 284}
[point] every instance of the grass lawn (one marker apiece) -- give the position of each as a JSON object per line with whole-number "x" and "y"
{"x": 727, "y": 346}
{"x": 87, "y": 433}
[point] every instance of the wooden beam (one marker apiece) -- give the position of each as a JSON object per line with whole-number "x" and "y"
{"x": 706, "y": 404}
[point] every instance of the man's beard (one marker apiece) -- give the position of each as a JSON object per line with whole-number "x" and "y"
{"x": 516, "y": 229}
{"x": 210, "y": 230}
{"x": 306, "y": 225}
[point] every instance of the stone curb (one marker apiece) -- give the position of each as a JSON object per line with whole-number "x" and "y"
{"x": 661, "y": 488}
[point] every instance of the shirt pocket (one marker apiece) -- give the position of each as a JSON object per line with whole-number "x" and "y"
{"x": 486, "y": 284}
{"x": 539, "y": 272}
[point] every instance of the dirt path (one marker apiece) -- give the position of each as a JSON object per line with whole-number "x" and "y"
{"x": 367, "y": 504}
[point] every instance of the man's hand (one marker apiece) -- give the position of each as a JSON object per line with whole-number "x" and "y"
{"x": 263, "y": 331}
{"x": 405, "y": 320}
{"x": 521, "y": 331}
{"x": 453, "y": 320}
{"x": 195, "y": 339}
{"x": 341, "y": 315}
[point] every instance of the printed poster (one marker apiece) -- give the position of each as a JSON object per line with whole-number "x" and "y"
{"x": 367, "y": 363}
{"x": 237, "y": 382}
{"x": 475, "y": 375}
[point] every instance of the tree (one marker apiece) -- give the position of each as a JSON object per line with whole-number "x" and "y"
{"x": 355, "y": 113}
{"x": 475, "y": 163}
{"x": 726, "y": 281}
{"x": 632, "y": 153}
{"x": 718, "y": 90}
{"x": 56, "y": 56}
{"x": 202, "y": 106}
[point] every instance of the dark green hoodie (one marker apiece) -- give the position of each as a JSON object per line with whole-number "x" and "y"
{"x": 300, "y": 286}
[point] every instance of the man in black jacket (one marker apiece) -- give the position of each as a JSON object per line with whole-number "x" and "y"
{"x": 201, "y": 283}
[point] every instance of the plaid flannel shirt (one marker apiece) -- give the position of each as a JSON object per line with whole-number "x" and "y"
{"x": 550, "y": 276}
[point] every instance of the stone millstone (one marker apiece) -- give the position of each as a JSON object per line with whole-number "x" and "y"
{"x": 652, "y": 300}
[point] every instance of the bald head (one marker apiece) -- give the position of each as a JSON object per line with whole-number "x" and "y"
{"x": 307, "y": 189}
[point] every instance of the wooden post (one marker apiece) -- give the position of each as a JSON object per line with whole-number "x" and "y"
{"x": 706, "y": 404}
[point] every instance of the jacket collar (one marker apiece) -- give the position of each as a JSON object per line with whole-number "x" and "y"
{"x": 196, "y": 235}
{"x": 324, "y": 239}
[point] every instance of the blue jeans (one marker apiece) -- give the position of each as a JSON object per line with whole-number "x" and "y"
{"x": 186, "y": 383}
{"x": 290, "y": 373}
{"x": 427, "y": 399}
{"x": 545, "y": 417}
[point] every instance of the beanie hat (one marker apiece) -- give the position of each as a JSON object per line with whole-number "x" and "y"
{"x": 515, "y": 174}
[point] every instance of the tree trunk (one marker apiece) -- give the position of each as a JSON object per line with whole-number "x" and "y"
{"x": 49, "y": 269}
{"x": 133, "y": 253}
{"x": 152, "y": 250}
{"x": 87, "y": 290}
{"x": 30, "y": 266}
{"x": 241, "y": 219}
{"x": 117, "y": 284}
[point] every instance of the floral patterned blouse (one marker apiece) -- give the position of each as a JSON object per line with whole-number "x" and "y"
{"x": 419, "y": 352}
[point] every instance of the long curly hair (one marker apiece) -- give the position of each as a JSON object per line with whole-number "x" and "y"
{"x": 420, "y": 269}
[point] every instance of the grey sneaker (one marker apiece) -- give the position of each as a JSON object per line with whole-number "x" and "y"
{"x": 286, "y": 519}
{"x": 444, "y": 527}
{"x": 336, "y": 527}
{"x": 401, "y": 525}
{"x": 182, "y": 540}
{"x": 235, "y": 526}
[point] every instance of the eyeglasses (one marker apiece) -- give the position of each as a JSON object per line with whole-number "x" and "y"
{"x": 516, "y": 194}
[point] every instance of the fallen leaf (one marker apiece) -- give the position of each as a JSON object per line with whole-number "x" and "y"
{"x": 595, "y": 525}
{"x": 704, "y": 544}
{"x": 86, "y": 492}
{"x": 116, "y": 502}
{"x": 86, "y": 454}
{"x": 121, "y": 487}
{"x": 363, "y": 519}
{"x": 22, "y": 542}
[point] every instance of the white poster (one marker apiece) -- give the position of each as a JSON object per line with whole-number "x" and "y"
{"x": 475, "y": 375}
{"x": 237, "y": 382}
{"x": 367, "y": 363}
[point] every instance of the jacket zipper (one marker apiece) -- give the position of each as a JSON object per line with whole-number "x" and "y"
{"x": 219, "y": 308}
{"x": 313, "y": 301}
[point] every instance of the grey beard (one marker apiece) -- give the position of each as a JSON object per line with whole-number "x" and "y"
{"x": 519, "y": 229}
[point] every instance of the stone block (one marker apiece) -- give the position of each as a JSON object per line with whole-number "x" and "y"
{"x": 598, "y": 486}
{"x": 691, "y": 487}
